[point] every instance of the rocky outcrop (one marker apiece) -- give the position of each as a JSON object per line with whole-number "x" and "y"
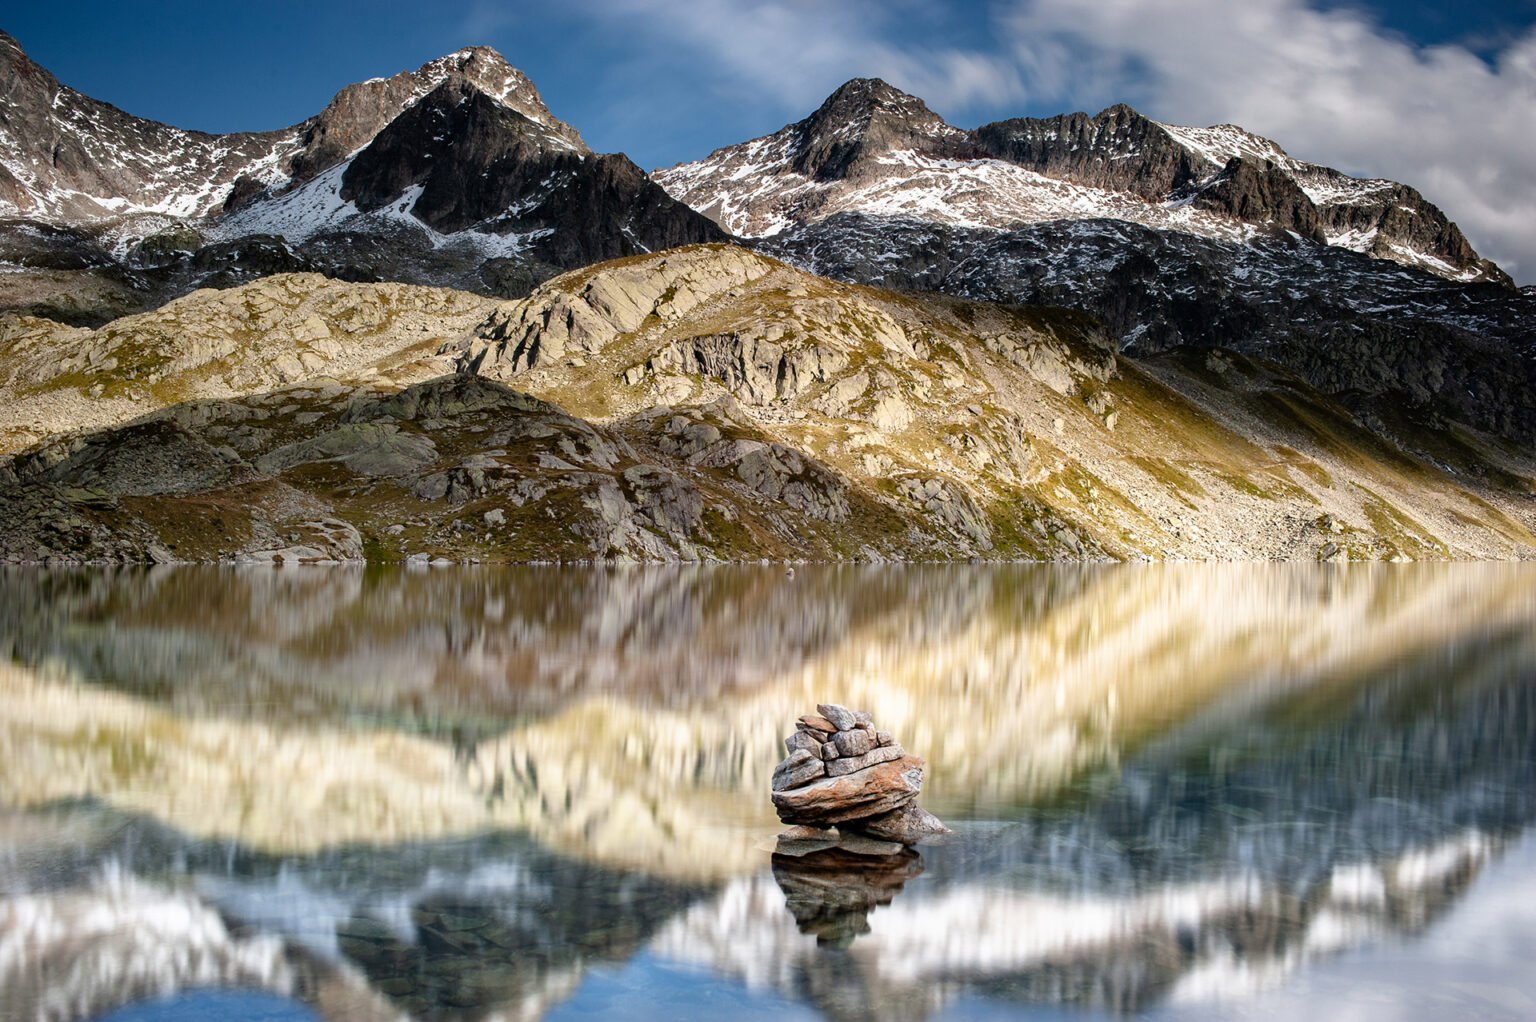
{"x": 842, "y": 771}
{"x": 1261, "y": 193}
{"x": 581, "y": 314}
{"x": 709, "y": 403}
{"x": 1117, "y": 149}
{"x": 215, "y": 344}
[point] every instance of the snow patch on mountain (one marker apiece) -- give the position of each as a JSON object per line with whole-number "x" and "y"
{"x": 317, "y": 207}
{"x": 905, "y": 184}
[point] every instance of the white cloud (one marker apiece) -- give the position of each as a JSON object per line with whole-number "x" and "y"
{"x": 798, "y": 51}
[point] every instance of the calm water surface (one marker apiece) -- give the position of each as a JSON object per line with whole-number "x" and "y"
{"x": 1185, "y": 792}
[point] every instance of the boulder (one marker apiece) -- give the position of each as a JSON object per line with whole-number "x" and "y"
{"x": 804, "y": 740}
{"x": 816, "y": 722}
{"x": 841, "y": 766}
{"x": 907, "y": 825}
{"x": 853, "y": 743}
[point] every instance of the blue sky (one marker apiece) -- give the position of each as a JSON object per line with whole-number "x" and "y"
{"x": 1441, "y": 97}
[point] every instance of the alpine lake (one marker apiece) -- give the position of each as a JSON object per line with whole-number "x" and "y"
{"x": 1178, "y": 792}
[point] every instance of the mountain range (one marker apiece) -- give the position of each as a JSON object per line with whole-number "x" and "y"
{"x": 1089, "y": 336}
{"x": 455, "y": 173}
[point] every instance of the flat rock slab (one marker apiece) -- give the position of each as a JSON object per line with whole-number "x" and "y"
{"x": 798, "y": 846}
{"x": 874, "y": 757}
{"x": 883, "y": 788}
{"x": 814, "y": 723}
{"x": 842, "y": 718}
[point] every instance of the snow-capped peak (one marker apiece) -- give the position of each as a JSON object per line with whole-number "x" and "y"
{"x": 875, "y": 150}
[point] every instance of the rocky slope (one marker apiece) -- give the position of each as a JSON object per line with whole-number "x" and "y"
{"x": 1402, "y": 348}
{"x": 1172, "y": 236}
{"x": 704, "y": 403}
{"x": 384, "y": 183}
{"x": 273, "y": 333}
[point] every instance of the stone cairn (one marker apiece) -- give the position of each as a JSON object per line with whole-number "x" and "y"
{"x": 842, "y": 771}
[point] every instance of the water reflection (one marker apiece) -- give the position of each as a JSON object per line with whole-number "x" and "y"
{"x": 831, "y": 891}
{"x": 456, "y": 794}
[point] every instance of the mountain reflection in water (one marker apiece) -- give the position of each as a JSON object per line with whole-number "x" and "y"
{"x": 488, "y": 793}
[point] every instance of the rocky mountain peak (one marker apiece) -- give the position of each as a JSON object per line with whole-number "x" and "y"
{"x": 490, "y": 73}
{"x": 867, "y": 117}
{"x": 1118, "y": 148}
{"x": 359, "y": 112}
{"x": 15, "y": 64}
{"x": 862, "y": 98}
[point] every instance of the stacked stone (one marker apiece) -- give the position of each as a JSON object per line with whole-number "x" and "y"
{"x": 842, "y": 771}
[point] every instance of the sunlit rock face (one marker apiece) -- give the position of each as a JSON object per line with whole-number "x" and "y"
{"x": 705, "y": 404}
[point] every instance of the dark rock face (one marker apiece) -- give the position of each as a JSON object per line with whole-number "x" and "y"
{"x": 611, "y": 208}
{"x": 1118, "y": 149}
{"x": 1261, "y": 193}
{"x": 360, "y": 112}
{"x": 1400, "y": 215}
{"x": 867, "y": 118}
{"x": 1122, "y": 150}
{"x": 468, "y": 153}
{"x": 481, "y": 165}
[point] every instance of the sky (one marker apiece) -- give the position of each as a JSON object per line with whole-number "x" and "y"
{"x": 1439, "y": 96}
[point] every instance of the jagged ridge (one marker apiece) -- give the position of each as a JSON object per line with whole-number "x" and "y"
{"x": 866, "y": 131}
